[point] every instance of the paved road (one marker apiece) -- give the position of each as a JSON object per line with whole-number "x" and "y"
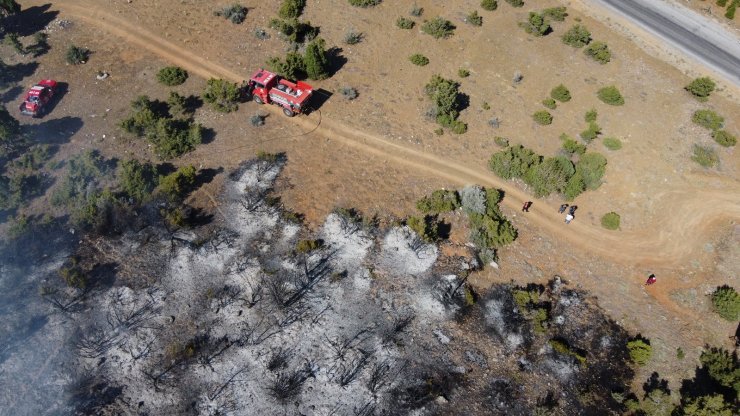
{"x": 692, "y": 33}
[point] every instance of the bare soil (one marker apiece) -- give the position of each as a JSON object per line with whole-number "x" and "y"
{"x": 379, "y": 153}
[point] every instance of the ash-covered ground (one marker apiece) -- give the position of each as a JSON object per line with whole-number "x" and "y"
{"x": 250, "y": 319}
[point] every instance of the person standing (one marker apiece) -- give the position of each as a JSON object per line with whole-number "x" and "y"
{"x": 572, "y": 210}
{"x": 568, "y": 218}
{"x": 562, "y": 208}
{"x": 651, "y": 279}
{"x": 525, "y": 207}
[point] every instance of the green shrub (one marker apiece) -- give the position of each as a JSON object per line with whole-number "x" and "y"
{"x": 137, "y": 179}
{"x": 76, "y": 55}
{"x": 610, "y": 221}
{"x": 549, "y": 103}
{"x": 612, "y": 143}
{"x": 577, "y": 36}
{"x": 726, "y": 302}
{"x": 222, "y": 95}
{"x": 551, "y": 175}
{"x": 307, "y": 246}
{"x": 563, "y": 348}
{"x": 291, "y": 9}
{"x": 708, "y": 119}
{"x": 591, "y": 168}
{"x": 438, "y": 28}
{"x": 610, "y": 95}
{"x": 34, "y": 158}
{"x": 364, "y": 3}
{"x": 536, "y": 25}
{"x": 560, "y": 93}
{"x": 352, "y": 37}
{"x": 571, "y": 146}
{"x": 489, "y": 232}
{"x": 557, "y": 14}
{"x": 73, "y": 275}
{"x": 701, "y": 88}
{"x": 705, "y": 156}
{"x": 721, "y": 3}
{"x": 599, "y": 52}
{"x": 474, "y": 18}
{"x": 680, "y": 354}
{"x": 440, "y": 201}
{"x": 708, "y": 405}
{"x": 236, "y": 13}
{"x": 178, "y": 184}
{"x": 730, "y": 13}
{"x": 574, "y": 187}
{"x": 513, "y": 162}
{"x": 292, "y": 67}
{"x": 516, "y": 3}
{"x": 463, "y": 73}
{"x": 639, "y": 351}
{"x": 294, "y": 30}
{"x": 591, "y": 115}
{"x": 316, "y": 60}
{"x": 172, "y": 75}
{"x": 405, "y": 23}
{"x": 425, "y": 227}
{"x": 419, "y": 59}
{"x": 173, "y": 138}
{"x": 177, "y": 105}
{"x": 542, "y": 117}
{"x": 446, "y": 97}
{"x": 724, "y": 138}
{"x": 591, "y": 132}
{"x": 489, "y": 5}
{"x": 501, "y": 141}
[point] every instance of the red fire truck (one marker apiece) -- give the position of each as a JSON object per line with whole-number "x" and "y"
{"x": 266, "y": 87}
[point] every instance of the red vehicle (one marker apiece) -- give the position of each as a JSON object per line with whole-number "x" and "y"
{"x": 38, "y": 97}
{"x": 269, "y": 88}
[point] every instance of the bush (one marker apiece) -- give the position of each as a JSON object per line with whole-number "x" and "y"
{"x": 513, "y": 162}
{"x": 723, "y": 138}
{"x": 551, "y": 175}
{"x": 610, "y": 95}
{"x": 425, "y": 227}
{"x": 557, "y": 14}
{"x": 76, "y": 55}
{"x": 489, "y": 5}
{"x": 560, "y": 93}
{"x": 536, "y": 25}
{"x": 516, "y": 3}
{"x": 726, "y": 302}
{"x": 612, "y": 143}
{"x": 348, "y": 92}
{"x": 173, "y": 138}
{"x": 501, "y": 141}
{"x": 137, "y": 179}
{"x": 307, "y": 246}
{"x": 316, "y": 60}
{"x": 177, "y": 105}
{"x": 291, "y": 9}
{"x": 705, "y": 156}
{"x": 222, "y": 95}
{"x": 591, "y": 132}
{"x": 591, "y": 168}
{"x": 404, "y": 23}
{"x": 294, "y": 30}
{"x": 730, "y": 13}
{"x": 591, "y": 115}
{"x": 577, "y": 36}
{"x": 701, "y": 87}
{"x": 549, "y": 103}
{"x": 610, "y": 221}
{"x": 571, "y": 146}
{"x": 419, "y": 59}
{"x": 172, "y": 75}
{"x": 292, "y": 67}
{"x": 489, "y": 232}
{"x": 708, "y": 119}
{"x": 463, "y": 73}
{"x": 440, "y": 201}
{"x": 178, "y": 184}
{"x": 445, "y": 94}
{"x": 474, "y": 18}
{"x": 542, "y": 117}
{"x": 599, "y": 52}
{"x": 364, "y": 3}
{"x": 639, "y": 351}
{"x": 352, "y": 37}
{"x": 438, "y": 28}
{"x": 236, "y": 13}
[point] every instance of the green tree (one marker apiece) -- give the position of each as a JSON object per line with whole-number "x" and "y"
{"x": 438, "y": 28}
{"x": 178, "y": 184}
{"x": 557, "y": 14}
{"x": 657, "y": 402}
{"x": 550, "y": 176}
{"x": 726, "y": 302}
{"x": 489, "y": 232}
{"x": 439, "y": 201}
{"x": 291, "y": 9}
{"x": 8, "y": 7}
{"x": 591, "y": 166}
{"x": 709, "y": 405}
{"x": 639, "y": 351}
{"x": 730, "y": 13}
{"x": 610, "y": 95}
{"x": 316, "y": 60}
{"x": 177, "y": 105}
{"x": 591, "y": 115}
{"x": 560, "y": 93}
{"x": 577, "y": 36}
{"x": 10, "y": 134}
{"x": 513, "y": 162}
{"x": 172, "y": 75}
{"x": 489, "y": 5}
{"x": 77, "y": 55}
{"x": 292, "y": 67}
{"x": 173, "y": 138}
{"x": 137, "y": 179}
{"x": 536, "y": 24}
{"x": 701, "y": 88}
{"x": 404, "y": 23}
{"x": 425, "y": 227}
{"x": 723, "y": 367}
{"x": 222, "y": 95}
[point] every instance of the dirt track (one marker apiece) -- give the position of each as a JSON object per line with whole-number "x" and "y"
{"x": 691, "y": 215}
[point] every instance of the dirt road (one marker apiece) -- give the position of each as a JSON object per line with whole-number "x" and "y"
{"x": 691, "y": 215}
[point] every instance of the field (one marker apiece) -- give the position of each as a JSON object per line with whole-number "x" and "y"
{"x": 379, "y": 153}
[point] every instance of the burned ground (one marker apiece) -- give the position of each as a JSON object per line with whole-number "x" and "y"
{"x": 233, "y": 318}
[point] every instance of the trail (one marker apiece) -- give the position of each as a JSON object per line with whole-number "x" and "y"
{"x": 690, "y": 218}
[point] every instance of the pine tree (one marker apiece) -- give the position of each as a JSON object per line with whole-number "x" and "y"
{"x": 316, "y": 61}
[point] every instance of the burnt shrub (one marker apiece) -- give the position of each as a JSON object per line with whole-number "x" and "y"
{"x": 236, "y": 13}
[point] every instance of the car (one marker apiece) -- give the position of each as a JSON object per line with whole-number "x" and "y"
{"x": 38, "y": 98}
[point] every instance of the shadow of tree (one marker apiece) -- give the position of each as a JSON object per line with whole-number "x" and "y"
{"x": 31, "y": 20}
{"x": 57, "y": 131}
{"x": 13, "y": 74}
{"x": 336, "y": 60}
